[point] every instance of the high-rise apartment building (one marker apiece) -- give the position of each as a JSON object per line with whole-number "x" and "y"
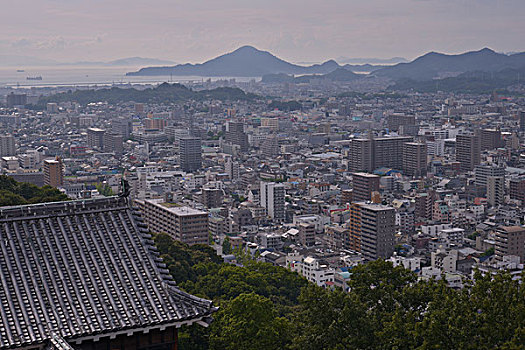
{"x": 468, "y": 151}
{"x": 232, "y": 168}
{"x": 13, "y": 100}
{"x": 113, "y": 143}
{"x": 53, "y": 172}
{"x": 235, "y": 135}
{"x": 491, "y": 139}
{"x": 7, "y": 145}
{"x": 306, "y": 234}
{"x": 270, "y": 147}
{"x": 272, "y": 199}
{"x": 372, "y": 153}
{"x": 415, "y": 159}
{"x": 153, "y": 123}
{"x": 190, "y": 151}
{"x": 122, "y": 126}
{"x": 394, "y": 121}
{"x": 364, "y": 185}
{"x": 372, "y": 230}
{"x": 95, "y": 138}
{"x": 347, "y": 196}
{"x": 211, "y": 197}
{"x": 483, "y": 172}
{"x": 182, "y": 223}
{"x": 495, "y": 190}
{"x": 424, "y": 205}
{"x": 517, "y": 189}
{"x": 361, "y": 155}
{"x": 510, "y": 240}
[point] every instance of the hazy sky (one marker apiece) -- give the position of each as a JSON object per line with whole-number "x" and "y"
{"x": 296, "y": 30}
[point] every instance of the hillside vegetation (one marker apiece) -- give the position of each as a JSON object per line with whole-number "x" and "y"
{"x": 267, "y": 307}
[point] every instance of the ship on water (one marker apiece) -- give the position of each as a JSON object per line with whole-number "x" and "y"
{"x": 20, "y": 70}
{"x": 34, "y": 78}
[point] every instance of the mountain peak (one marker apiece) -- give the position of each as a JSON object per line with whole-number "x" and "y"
{"x": 247, "y": 48}
{"x": 487, "y": 50}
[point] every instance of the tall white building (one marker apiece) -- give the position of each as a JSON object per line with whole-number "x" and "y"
{"x": 232, "y": 168}
{"x": 7, "y": 145}
{"x": 272, "y": 198}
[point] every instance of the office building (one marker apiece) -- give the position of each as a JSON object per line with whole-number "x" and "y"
{"x": 7, "y": 145}
{"x": 363, "y": 186}
{"x": 372, "y": 230}
{"x": 190, "y": 152}
{"x": 415, "y": 159}
{"x": 522, "y": 120}
{"x": 510, "y": 240}
{"x": 53, "y": 172}
{"x": 468, "y": 152}
{"x": 95, "y": 138}
{"x": 235, "y": 135}
{"x": 272, "y": 199}
{"x": 182, "y": 223}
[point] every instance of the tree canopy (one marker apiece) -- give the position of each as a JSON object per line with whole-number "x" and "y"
{"x": 17, "y": 193}
{"x": 268, "y": 307}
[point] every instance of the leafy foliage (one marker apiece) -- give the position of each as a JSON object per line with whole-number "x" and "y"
{"x": 17, "y": 193}
{"x": 267, "y": 307}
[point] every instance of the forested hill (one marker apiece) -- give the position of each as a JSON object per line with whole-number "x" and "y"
{"x": 16, "y": 193}
{"x": 268, "y": 307}
{"x": 164, "y": 93}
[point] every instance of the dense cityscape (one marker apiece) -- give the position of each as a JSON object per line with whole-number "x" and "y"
{"x": 318, "y": 181}
{"x": 249, "y": 202}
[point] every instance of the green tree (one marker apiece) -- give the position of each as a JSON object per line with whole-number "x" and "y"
{"x": 249, "y": 322}
{"x": 226, "y": 246}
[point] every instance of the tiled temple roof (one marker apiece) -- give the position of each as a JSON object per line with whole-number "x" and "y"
{"x": 83, "y": 268}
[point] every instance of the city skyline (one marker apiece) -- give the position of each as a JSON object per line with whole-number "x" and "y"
{"x": 68, "y": 31}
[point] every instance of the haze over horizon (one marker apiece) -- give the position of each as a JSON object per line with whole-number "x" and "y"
{"x": 73, "y": 30}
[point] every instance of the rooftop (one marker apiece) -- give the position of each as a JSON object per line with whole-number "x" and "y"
{"x": 81, "y": 269}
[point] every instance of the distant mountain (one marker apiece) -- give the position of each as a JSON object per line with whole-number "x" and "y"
{"x": 437, "y": 65}
{"x": 21, "y": 61}
{"x": 26, "y": 61}
{"x": 372, "y": 61}
{"x": 246, "y": 61}
{"x": 363, "y": 68}
{"x": 339, "y": 74}
{"x": 138, "y": 61}
{"x": 475, "y": 82}
{"x": 124, "y": 62}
